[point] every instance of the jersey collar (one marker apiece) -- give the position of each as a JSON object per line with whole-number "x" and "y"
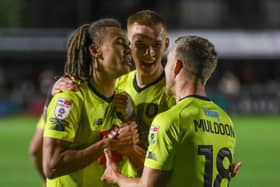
{"x": 196, "y": 96}
{"x": 108, "y": 99}
{"x": 138, "y": 89}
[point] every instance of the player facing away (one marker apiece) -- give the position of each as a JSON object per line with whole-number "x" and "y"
{"x": 76, "y": 121}
{"x": 191, "y": 144}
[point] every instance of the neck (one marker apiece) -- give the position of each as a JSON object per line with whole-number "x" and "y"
{"x": 145, "y": 79}
{"x": 189, "y": 88}
{"x": 105, "y": 85}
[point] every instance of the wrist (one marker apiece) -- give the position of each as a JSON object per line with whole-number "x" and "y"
{"x": 105, "y": 143}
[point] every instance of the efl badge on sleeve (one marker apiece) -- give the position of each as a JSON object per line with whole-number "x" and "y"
{"x": 62, "y": 108}
{"x": 154, "y": 129}
{"x": 153, "y": 134}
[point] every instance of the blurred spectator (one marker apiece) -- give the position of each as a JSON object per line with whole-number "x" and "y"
{"x": 46, "y": 79}
{"x": 248, "y": 74}
{"x": 229, "y": 84}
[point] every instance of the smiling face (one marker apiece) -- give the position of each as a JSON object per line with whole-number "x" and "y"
{"x": 148, "y": 45}
{"x": 115, "y": 52}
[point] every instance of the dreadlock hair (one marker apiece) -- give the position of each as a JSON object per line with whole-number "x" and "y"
{"x": 198, "y": 55}
{"x": 79, "y": 60}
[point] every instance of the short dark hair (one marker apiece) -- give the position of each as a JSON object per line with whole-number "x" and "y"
{"x": 146, "y": 17}
{"x": 96, "y": 28}
{"x": 198, "y": 55}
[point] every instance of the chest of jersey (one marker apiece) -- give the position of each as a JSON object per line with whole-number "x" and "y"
{"x": 149, "y": 100}
{"x": 83, "y": 120}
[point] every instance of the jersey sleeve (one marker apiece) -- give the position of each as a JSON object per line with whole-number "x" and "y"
{"x": 162, "y": 143}
{"x": 63, "y": 116}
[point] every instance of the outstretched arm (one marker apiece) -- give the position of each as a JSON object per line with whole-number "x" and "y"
{"x": 59, "y": 159}
{"x": 149, "y": 178}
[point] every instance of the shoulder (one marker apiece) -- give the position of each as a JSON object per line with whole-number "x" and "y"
{"x": 223, "y": 115}
{"x": 126, "y": 77}
{"x": 68, "y": 98}
{"x": 166, "y": 119}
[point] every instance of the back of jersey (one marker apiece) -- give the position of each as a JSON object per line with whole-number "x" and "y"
{"x": 196, "y": 140}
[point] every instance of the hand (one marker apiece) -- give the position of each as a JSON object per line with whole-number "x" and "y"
{"x": 124, "y": 106}
{"x": 111, "y": 134}
{"x": 65, "y": 83}
{"x": 111, "y": 172}
{"x": 128, "y": 133}
{"x": 235, "y": 168}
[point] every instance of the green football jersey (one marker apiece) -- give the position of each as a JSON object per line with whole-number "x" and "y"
{"x": 148, "y": 101}
{"x": 195, "y": 141}
{"x": 80, "y": 117}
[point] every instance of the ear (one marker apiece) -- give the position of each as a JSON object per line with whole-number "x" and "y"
{"x": 94, "y": 50}
{"x": 166, "y": 43}
{"x": 177, "y": 67}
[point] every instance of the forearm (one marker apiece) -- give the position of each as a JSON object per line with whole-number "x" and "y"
{"x": 70, "y": 160}
{"x": 35, "y": 152}
{"x": 124, "y": 181}
{"x": 37, "y": 161}
{"x": 137, "y": 158}
{"x": 149, "y": 178}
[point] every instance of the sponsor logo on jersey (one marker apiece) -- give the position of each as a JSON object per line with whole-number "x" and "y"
{"x": 211, "y": 113}
{"x": 154, "y": 128}
{"x": 153, "y": 134}
{"x": 152, "y": 110}
{"x": 62, "y": 108}
{"x": 98, "y": 121}
{"x": 58, "y": 124}
{"x": 151, "y": 156}
{"x": 59, "y": 127}
{"x": 152, "y": 138}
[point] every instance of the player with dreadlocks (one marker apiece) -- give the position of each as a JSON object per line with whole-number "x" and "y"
{"x": 96, "y": 55}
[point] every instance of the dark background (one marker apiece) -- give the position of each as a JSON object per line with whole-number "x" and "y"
{"x": 246, "y": 33}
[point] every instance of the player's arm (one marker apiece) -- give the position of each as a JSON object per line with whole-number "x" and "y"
{"x": 36, "y": 145}
{"x": 149, "y": 178}
{"x": 59, "y": 159}
{"x": 35, "y": 151}
{"x": 135, "y": 153}
{"x": 137, "y": 158}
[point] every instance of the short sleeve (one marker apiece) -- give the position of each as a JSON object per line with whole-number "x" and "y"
{"x": 63, "y": 116}
{"x": 162, "y": 143}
